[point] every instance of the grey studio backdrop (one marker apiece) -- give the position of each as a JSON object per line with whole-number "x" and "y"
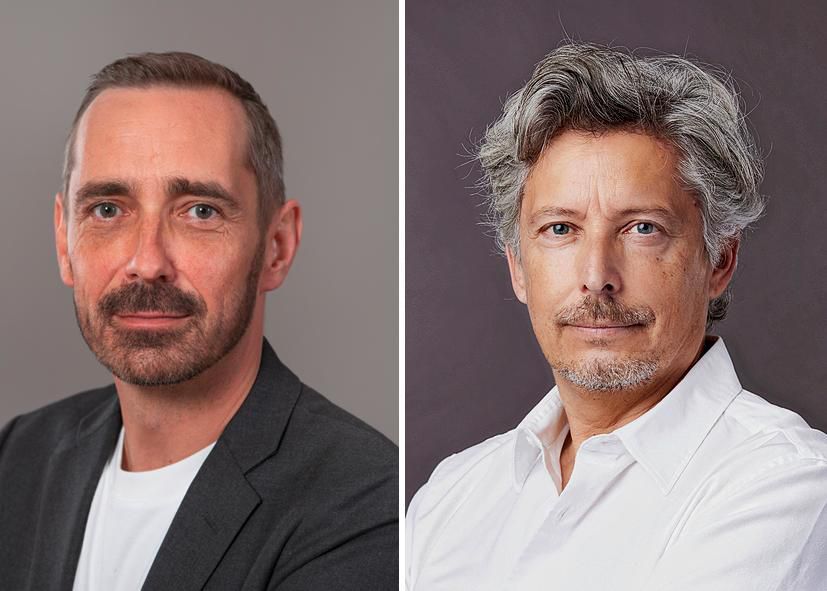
{"x": 473, "y": 368}
{"x": 329, "y": 73}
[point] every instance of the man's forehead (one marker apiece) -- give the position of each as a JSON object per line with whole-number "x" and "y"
{"x": 197, "y": 114}
{"x": 162, "y": 131}
{"x": 618, "y": 171}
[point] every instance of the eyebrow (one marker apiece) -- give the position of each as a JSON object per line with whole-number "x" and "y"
{"x": 553, "y": 211}
{"x": 182, "y": 186}
{"x": 176, "y": 187}
{"x": 664, "y": 213}
{"x": 97, "y": 189}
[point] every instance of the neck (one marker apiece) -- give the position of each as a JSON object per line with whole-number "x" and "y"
{"x": 591, "y": 412}
{"x": 165, "y": 424}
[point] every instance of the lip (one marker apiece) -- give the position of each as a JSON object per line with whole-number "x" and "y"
{"x": 149, "y": 320}
{"x": 604, "y": 325}
{"x": 604, "y": 330}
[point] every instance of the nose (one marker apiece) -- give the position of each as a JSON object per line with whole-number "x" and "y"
{"x": 151, "y": 260}
{"x": 599, "y": 267}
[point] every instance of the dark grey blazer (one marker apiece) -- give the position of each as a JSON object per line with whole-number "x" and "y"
{"x": 296, "y": 494}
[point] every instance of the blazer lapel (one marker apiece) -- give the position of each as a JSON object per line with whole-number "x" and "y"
{"x": 68, "y": 487}
{"x": 220, "y": 498}
{"x": 215, "y": 507}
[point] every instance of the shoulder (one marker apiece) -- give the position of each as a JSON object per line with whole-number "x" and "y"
{"x": 765, "y": 492}
{"x": 47, "y": 426}
{"x": 758, "y": 416}
{"x": 334, "y": 461}
{"x": 481, "y": 468}
{"x": 331, "y": 489}
{"x": 28, "y": 444}
{"x": 344, "y": 451}
{"x": 761, "y": 450}
{"x": 337, "y": 438}
{"x": 458, "y": 475}
{"x": 769, "y": 435}
{"x": 314, "y": 408}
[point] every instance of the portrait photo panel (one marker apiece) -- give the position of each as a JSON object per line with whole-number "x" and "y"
{"x": 328, "y": 74}
{"x": 200, "y": 307}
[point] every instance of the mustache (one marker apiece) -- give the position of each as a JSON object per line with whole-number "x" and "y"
{"x": 165, "y": 298}
{"x": 605, "y": 309}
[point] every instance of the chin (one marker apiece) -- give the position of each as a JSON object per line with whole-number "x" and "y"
{"x": 610, "y": 374}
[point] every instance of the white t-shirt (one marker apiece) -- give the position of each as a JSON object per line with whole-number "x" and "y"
{"x": 128, "y": 519}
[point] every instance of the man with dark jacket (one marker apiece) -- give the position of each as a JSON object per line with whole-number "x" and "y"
{"x": 207, "y": 464}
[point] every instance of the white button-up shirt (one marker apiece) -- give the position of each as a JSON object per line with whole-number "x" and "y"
{"x": 712, "y": 489}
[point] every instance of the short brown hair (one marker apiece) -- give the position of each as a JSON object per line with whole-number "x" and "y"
{"x": 192, "y": 71}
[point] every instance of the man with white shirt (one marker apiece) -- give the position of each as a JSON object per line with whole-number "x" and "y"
{"x": 619, "y": 189}
{"x": 208, "y": 464}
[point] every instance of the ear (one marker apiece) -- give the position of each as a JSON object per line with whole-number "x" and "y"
{"x": 62, "y": 242}
{"x": 283, "y": 237}
{"x": 722, "y": 273}
{"x": 515, "y": 267}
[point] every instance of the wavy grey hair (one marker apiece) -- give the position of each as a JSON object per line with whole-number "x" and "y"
{"x": 591, "y": 88}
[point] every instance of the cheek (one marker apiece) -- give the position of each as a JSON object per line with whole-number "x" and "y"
{"x": 97, "y": 258}
{"x": 549, "y": 270}
{"x": 548, "y": 284}
{"x": 211, "y": 280}
{"x": 677, "y": 290}
{"x": 218, "y": 279}
{"x": 93, "y": 274}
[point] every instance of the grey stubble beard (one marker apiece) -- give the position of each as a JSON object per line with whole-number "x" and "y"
{"x": 608, "y": 375}
{"x": 605, "y": 375}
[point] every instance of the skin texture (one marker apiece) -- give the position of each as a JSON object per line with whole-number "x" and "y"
{"x": 615, "y": 275}
{"x": 170, "y": 294}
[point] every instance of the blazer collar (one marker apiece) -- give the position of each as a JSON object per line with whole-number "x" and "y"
{"x": 254, "y": 433}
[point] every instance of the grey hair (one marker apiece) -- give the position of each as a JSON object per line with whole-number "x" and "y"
{"x": 187, "y": 70}
{"x": 591, "y": 88}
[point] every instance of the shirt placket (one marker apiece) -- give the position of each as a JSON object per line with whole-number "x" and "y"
{"x": 598, "y": 464}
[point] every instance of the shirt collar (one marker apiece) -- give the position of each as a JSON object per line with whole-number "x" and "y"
{"x": 538, "y": 430}
{"x": 664, "y": 439}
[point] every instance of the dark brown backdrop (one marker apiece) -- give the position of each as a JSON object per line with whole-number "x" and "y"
{"x": 473, "y": 368}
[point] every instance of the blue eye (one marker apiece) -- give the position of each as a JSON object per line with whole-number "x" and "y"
{"x": 560, "y": 229}
{"x": 105, "y": 210}
{"x": 202, "y": 211}
{"x": 645, "y": 228}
